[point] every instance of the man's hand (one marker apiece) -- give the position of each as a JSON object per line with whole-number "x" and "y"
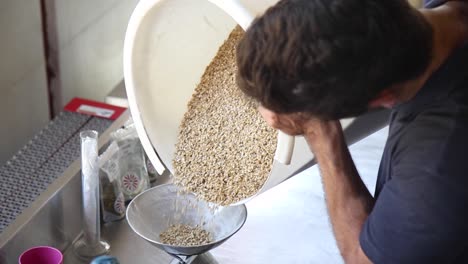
{"x": 291, "y": 124}
{"x": 317, "y": 131}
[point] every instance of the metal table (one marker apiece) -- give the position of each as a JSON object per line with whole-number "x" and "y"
{"x": 287, "y": 224}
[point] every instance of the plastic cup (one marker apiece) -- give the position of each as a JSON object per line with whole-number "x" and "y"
{"x": 41, "y": 255}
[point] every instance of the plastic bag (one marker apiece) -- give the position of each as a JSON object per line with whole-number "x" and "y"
{"x": 153, "y": 175}
{"x": 133, "y": 174}
{"x": 112, "y": 197}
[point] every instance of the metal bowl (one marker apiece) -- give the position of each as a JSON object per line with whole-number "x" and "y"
{"x": 154, "y": 210}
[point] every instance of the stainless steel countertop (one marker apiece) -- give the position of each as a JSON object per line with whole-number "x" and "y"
{"x": 287, "y": 224}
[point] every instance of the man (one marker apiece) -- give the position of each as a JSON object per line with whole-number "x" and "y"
{"x": 312, "y": 62}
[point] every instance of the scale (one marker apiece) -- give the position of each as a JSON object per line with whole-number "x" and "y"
{"x": 154, "y": 210}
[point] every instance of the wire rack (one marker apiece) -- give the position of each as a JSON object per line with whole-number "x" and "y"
{"x": 42, "y": 160}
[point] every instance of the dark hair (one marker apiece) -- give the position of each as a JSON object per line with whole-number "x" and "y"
{"x": 331, "y": 57}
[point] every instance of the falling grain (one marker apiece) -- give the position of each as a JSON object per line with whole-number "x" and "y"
{"x": 225, "y": 150}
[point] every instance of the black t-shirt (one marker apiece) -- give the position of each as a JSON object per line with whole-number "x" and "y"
{"x": 421, "y": 210}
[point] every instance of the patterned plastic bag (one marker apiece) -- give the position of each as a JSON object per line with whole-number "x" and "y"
{"x": 133, "y": 173}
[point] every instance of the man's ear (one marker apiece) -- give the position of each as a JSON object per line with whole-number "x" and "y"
{"x": 386, "y": 98}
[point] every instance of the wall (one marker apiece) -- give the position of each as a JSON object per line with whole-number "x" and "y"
{"x": 23, "y": 86}
{"x": 90, "y": 36}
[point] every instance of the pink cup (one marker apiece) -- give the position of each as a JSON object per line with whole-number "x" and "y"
{"x": 41, "y": 255}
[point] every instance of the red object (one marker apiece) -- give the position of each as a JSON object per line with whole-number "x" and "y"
{"x": 89, "y": 107}
{"x": 41, "y": 255}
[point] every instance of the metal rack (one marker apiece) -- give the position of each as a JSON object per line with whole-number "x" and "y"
{"x": 44, "y": 158}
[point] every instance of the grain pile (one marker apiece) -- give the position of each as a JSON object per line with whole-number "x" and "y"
{"x": 185, "y": 236}
{"x": 225, "y": 149}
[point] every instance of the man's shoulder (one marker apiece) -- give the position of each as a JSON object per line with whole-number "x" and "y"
{"x": 443, "y": 121}
{"x": 434, "y": 141}
{"x": 434, "y": 3}
{"x": 437, "y": 3}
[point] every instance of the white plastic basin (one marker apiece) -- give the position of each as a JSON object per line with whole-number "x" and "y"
{"x": 168, "y": 45}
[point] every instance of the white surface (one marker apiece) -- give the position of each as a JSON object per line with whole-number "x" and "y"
{"x": 75, "y": 17}
{"x": 90, "y": 55}
{"x": 284, "y": 148}
{"x": 23, "y": 85}
{"x": 21, "y": 47}
{"x": 299, "y": 230}
{"x": 118, "y": 96}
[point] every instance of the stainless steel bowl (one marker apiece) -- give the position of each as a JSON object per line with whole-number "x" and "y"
{"x": 154, "y": 210}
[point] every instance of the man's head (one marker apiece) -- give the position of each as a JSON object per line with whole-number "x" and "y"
{"x": 330, "y": 58}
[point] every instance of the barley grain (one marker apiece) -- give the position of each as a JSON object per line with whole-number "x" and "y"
{"x": 185, "y": 235}
{"x": 225, "y": 149}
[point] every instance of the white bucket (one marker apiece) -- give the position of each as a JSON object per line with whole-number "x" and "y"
{"x": 168, "y": 45}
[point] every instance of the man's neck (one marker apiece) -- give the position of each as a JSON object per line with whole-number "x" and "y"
{"x": 449, "y": 32}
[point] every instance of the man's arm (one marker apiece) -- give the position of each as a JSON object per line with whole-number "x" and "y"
{"x": 420, "y": 216}
{"x": 348, "y": 200}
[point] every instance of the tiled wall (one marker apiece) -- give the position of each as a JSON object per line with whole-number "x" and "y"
{"x": 90, "y": 36}
{"x": 90, "y": 40}
{"x": 23, "y": 86}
